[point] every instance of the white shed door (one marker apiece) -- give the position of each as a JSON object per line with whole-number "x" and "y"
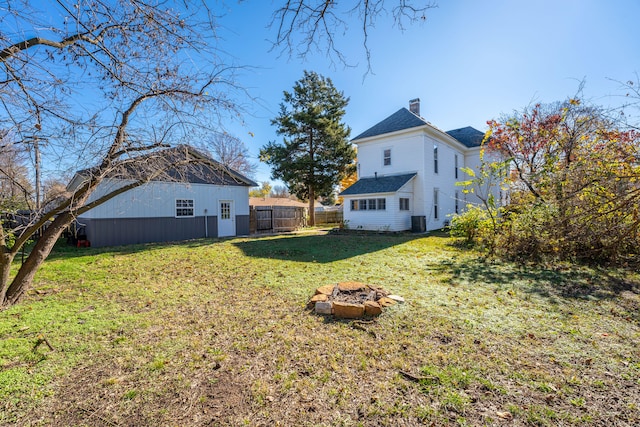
{"x": 226, "y": 218}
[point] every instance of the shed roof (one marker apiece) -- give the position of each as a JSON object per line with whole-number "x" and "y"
{"x": 177, "y": 164}
{"x": 383, "y": 184}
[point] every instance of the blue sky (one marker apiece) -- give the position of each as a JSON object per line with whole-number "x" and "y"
{"x": 469, "y": 62}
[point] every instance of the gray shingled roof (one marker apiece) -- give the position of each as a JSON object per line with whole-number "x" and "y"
{"x": 400, "y": 120}
{"x": 469, "y": 136}
{"x": 383, "y": 184}
{"x": 405, "y": 119}
{"x": 171, "y": 165}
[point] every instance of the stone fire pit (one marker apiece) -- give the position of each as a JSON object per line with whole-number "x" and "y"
{"x": 350, "y": 300}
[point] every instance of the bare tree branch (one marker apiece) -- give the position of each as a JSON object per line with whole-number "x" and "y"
{"x": 306, "y": 26}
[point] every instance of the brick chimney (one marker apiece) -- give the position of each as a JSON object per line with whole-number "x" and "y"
{"x": 414, "y": 106}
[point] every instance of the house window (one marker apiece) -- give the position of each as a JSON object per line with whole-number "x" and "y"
{"x": 404, "y": 204}
{"x": 369, "y": 204}
{"x": 455, "y": 161}
{"x": 435, "y": 159}
{"x": 435, "y": 203}
{"x": 184, "y": 207}
{"x": 386, "y": 157}
{"x": 457, "y": 202}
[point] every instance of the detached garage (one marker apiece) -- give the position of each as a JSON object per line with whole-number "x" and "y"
{"x": 194, "y": 197}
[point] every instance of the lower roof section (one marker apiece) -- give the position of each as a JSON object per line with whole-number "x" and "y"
{"x": 383, "y": 184}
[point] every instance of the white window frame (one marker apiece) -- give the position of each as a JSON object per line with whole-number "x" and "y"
{"x": 225, "y": 210}
{"x": 435, "y": 203}
{"x": 185, "y": 205}
{"x": 435, "y": 159}
{"x": 378, "y": 204}
{"x": 405, "y": 204}
{"x": 386, "y": 159}
{"x": 455, "y": 161}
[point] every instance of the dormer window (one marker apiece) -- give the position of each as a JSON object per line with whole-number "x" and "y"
{"x": 386, "y": 157}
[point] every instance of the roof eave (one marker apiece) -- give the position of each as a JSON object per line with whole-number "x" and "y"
{"x": 427, "y": 128}
{"x": 386, "y": 135}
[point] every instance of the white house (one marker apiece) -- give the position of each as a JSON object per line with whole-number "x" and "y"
{"x": 188, "y": 200}
{"x": 407, "y": 173}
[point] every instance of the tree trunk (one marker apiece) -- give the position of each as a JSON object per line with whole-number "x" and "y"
{"x": 312, "y": 209}
{"x": 6, "y": 258}
{"x": 23, "y": 280}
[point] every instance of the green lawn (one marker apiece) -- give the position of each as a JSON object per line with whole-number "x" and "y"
{"x": 215, "y": 332}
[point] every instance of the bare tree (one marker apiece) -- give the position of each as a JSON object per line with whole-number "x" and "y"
{"x": 15, "y": 186}
{"x": 280, "y": 191}
{"x": 96, "y": 83}
{"x": 307, "y": 26}
{"x": 232, "y": 153}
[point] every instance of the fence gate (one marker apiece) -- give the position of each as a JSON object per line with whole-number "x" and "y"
{"x": 276, "y": 218}
{"x": 264, "y": 218}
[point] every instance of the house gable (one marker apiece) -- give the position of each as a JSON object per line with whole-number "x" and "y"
{"x": 400, "y": 120}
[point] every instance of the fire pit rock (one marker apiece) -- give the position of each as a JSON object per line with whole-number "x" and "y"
{"x": 351, "y": 300}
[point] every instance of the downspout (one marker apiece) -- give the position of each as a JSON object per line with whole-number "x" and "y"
{"x": 206, "y": 225}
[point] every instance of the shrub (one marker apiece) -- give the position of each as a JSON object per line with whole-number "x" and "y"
{"x": 474, "y": 225}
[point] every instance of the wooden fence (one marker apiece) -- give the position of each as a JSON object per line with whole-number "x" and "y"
{"x": 274, "y": 219}
{"x": 329, "y": 217}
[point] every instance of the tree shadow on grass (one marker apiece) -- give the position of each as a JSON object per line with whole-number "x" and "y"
{"x": 64, "y": 250}
{"x": 577, "y": 282}
{"x": 323, "y": 248}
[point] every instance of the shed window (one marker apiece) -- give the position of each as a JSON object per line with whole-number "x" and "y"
{"x": 386, "y": 157}
{"x": 184, "y": 207}
{"x": 404, "y": 204}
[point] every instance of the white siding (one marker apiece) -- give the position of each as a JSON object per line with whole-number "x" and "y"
{"x": 405, "y": 155}
{"x": 158, "y": 199}
{"x": 391, "y": 219}
{"x": 411, "y": 152}
{"x": 372, "y": 220}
